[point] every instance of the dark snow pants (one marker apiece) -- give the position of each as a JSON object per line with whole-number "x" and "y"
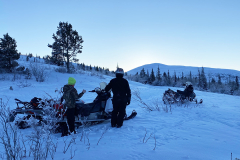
{"x": 118, "y": 113}
{"x": 71, "y": 119}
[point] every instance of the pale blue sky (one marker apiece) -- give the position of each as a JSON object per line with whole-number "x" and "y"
{"x": 131, "y": 33}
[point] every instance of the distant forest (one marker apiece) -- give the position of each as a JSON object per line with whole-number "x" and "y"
{"x": 218, "y": 84}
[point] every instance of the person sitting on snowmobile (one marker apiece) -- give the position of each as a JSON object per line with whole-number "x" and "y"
{"x": 187, "y": 91}
{"x": 121, "y": 97}
{"x": 70, "y": 95}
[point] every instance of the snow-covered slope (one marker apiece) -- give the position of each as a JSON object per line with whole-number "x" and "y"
{"x": 185, "y": 69}
{"x": 208, "y": 131}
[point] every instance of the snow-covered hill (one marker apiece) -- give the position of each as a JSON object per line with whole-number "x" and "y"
{"x": 185, "y": 69}
{"x": 208, "y": 131}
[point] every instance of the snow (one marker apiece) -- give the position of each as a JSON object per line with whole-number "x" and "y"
{"x": 207, "y": 131}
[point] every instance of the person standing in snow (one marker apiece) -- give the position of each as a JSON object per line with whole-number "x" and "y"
{"x": 70, "y": 95}
{"x": 121, "y": 97}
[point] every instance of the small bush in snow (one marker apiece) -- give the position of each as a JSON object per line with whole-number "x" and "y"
{"x": 61, "y": 69}
{"x": 42, "y": 143}
{"x": 24, "y": 84}
{"x": 38, "y": 72}
{"x": 147, "y": 106}
{"x": 16, "y": 76}
{"x": 10, "y": 136}
{"x": 4, "y": 78}
{"x": 28, "y": 74}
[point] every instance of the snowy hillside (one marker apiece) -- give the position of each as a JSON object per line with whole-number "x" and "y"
{"x": 208, "y": 131}
{"x": 185, "y": 69}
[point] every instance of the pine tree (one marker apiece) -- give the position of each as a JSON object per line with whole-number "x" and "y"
{"x": 147, "y": 75}
{"x": 152, "y": 76}
{"x": 213, "y": 81}
{"x": 96, "y": 68}
{"x": 199, "y": 79}
{"x": 8, "y": 53}
{"x": 117, "y": 66}
{"x": 106, "y": 71}
{"x": 237, "y": 83}
{"x": 203, "y": 79}
{"x": 175, "y": 78}
{"x": 67, "y": 42}
{"x": 190, "y": 76}
{"x": 83, "y": 66}
{"x": 168, "y": 78}
{"x": 142, "y": 73}
{"x": 158, "y": 75}
{"x": 30, "y": 55}
{"x": 219, "y": 80}
{"x": 164, "y": 78}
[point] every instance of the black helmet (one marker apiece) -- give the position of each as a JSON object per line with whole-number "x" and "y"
{"x": 119, "y": 71}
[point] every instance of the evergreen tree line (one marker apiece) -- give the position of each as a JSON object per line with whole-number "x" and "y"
{"x": 200, "y": 82}
{"x": 90, "y": 68}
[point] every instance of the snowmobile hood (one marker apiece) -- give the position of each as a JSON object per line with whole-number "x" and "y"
{"x": 67, "y": 87}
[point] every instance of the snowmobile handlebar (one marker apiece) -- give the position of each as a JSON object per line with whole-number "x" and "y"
{"x": 97, "y": 90}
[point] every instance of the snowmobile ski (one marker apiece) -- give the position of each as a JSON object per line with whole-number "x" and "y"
{"x": 133, "y": 114}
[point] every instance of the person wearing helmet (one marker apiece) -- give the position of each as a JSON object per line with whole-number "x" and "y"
{"x": 121, "y": 97}
{"x": 188, "y": 90}
{"x": 70, "y": 95}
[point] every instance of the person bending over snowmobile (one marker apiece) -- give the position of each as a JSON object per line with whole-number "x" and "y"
{"x": 187, "y": 91}
{"x": 121, "y": 97}
{"x": 70, "y": 95}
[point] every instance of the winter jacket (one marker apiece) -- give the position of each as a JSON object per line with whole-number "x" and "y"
{"x": 187, "y": 92}
{"x": 70, "y": 95}
{"x": 120, "y": 88}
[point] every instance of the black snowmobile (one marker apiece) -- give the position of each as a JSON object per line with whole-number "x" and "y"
{"x": 86, "y": 113}
{"x": 171, "y": 97}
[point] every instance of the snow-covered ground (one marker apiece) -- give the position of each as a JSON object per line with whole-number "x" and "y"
{"x": 208, "y": 131}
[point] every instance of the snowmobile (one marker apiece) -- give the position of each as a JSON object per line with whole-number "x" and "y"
{"x": 171, "y": 97}
{"x": 85, "y": 113}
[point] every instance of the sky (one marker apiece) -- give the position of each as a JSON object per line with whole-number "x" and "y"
{"x": 131, "y": 33}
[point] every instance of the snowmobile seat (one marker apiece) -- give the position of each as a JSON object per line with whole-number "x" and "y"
{"x": 86, "y": 109}
{"x": 83, "y": 109}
